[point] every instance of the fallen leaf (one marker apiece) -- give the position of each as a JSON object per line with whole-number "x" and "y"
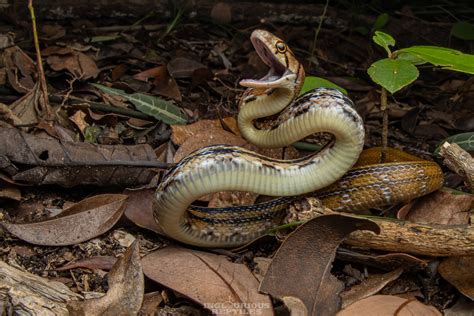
{"x": 386, "y": 305}
{"x": 10, "y": 192}
{"x": 79, "y": 64}
{"x": 207, "y": 138}
{"x": 21, "y": 70}
{"x": 165, "y": 84}
{"x": 181, "y": 133}
{"x": 85, "y": 220}
{"x": 444, "y": 207}
{"x": 151, "y": 301}
{"x": 369, "y": 287}
{"x": 387, "y": 261}
{"x": 463, "y": 307}
{"x": 53, "y": 32}
{"x": 78, "y": 118}
{"x": 126, "y": 289}
{"x": 182, "y": 67}
{"x": 459, "y": 271}
{"x": 211, "y": 280}
{"x": 93, "y": 263}
{"x": 308, "y": 277}
{"x": 139, "y": 209}
{"x": 221, "y": 13}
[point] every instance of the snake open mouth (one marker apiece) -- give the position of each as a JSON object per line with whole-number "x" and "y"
{"x": 277, "y": 73}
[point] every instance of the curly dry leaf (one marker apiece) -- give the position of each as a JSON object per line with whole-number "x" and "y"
{"x": 83, "y": 221}
{"x": 126, "y": 289}
{"x": 211, "y": 280}
{"x": 301, "y": 267}
{"x": 69, "y": 163}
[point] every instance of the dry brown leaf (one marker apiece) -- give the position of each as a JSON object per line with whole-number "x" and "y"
{"x": 459, "y": 271}
{"x": 444, "y": 207}
{"x": 389, "y": 261}
{"x": 10, "y": 192}
{"x": 53, "y": 32}
{"x": 301, "y": 267}
{"x": 93, "y": 263}
{"x": 369, "y": 287}
{"x": 181, "y": 133}
{"x": 211, "y": 280}
{"x": 203, "y": 139}
{"x": 79, "y": 64}
{"x": 126, "y": 289}
{"x": 139, "y": 209}
{"x": 21, "y": 70}
{"x": 25, "y": 107}
{"x": 78, "y": 118}
{"x": 151, "y": 301}
{"x": 182, "y": 67}
{"x": 87, "y": 219}
{"x": 221, "y": 13}
{"x": 463, "y": 307}
{"x": 386, "y": 305}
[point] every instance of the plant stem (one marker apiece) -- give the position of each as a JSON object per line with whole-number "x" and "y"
{"x": 46, "y": 109}
{"x": 383, "y": 108}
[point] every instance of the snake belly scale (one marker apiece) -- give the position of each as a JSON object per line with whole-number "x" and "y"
{"x": 230, "y": 168}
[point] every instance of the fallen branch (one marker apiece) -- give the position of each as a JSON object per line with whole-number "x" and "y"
{"x": 23, "y": 293}
{"x": 460, "y": 161}
{"x": 403, "y": 236}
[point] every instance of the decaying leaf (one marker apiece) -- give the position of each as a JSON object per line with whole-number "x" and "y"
{"x": 10, "y": 192}
{"x": 70, "y": 163}
{"x": 301, "y": 267}
{"x": 211, "y": 280}
{"x": 139, "y": 209}
{"x": 21, "y": 70}
{"x": 181, "y": 133}
{"x": 97, "y": 262}
{"x": 445, "y": 207}
{"x": 84, "y": 220}
{"x": 77, "y": 63}
{"x": 386, "y": 305}
{"x": 151, "y": 301}
{"x": 165, "y": 84}
{"x": 126, "y": 289}
{"x": 369, "y": 287}
{"x": 459, "y": 271}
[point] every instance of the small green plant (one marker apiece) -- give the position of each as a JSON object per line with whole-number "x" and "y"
{"x": 399, "y": 69}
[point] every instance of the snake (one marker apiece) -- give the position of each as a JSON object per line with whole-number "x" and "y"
{"x": 343, "y": 176}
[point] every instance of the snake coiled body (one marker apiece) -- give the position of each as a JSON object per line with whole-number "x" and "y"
{"x": 229, "y": 168}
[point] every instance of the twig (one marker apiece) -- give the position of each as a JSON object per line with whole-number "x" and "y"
{"x": 383, "y": 108}
{"x": 39, "y": 62}
{"x": 316, "y": 33}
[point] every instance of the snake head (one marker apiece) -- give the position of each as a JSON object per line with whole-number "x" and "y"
{"x": 285, "y": 69}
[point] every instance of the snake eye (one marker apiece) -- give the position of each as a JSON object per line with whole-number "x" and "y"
{"x": 281, "y": 47}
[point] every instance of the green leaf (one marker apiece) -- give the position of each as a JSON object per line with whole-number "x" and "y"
{"x": 414, "y": 59}
{"x": 383, "y": 39}
{"x": 380, "y": 22}
{"x": 464, "y": 140}
{"x": 393, "y": 74}
{"x": 151, "y": 105}
{"x": 444, "y": 57}
{"x": 311, "y": 83}
{"x": 463, "y": 30}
